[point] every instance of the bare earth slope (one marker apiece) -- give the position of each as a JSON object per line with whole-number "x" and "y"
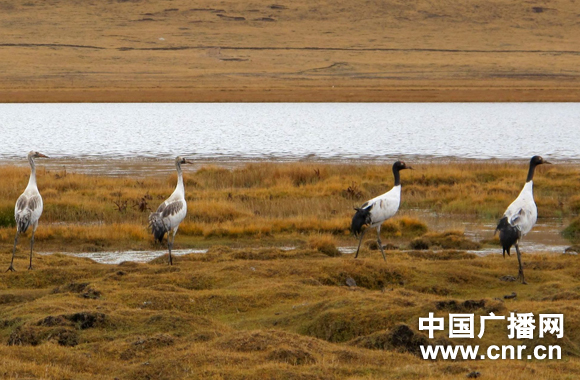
{"x": 290, "y": 51}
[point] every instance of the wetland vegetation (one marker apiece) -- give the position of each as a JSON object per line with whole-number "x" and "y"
{"x": 247, "y": 309}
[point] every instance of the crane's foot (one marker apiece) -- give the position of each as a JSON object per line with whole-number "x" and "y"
{"x": 521, "y": 278}
{"x": 10, "y": 269}
{"x": 30, "y": 267}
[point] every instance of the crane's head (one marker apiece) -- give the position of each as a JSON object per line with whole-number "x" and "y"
{"x": 538, "y": 160}
{"x": 400, "y": 165}
{"x": 35, "y": 154}
{"x": 180, "y": 160}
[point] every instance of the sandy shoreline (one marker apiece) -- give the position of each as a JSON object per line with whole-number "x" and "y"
{"x": 141, "y": 167}
{"x": 315, "y": 94}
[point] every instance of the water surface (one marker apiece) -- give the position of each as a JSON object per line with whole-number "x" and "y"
{"x": 145, "y": 133}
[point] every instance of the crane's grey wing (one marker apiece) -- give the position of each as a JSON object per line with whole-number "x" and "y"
{"x": 161, "y": 207}
{"x": 22, "y": 213}
{"x": 21, "y": 204}
{"x": 158, "y": 227}
{"x": 171, "y": 209}
{"x": 34, "y": 203}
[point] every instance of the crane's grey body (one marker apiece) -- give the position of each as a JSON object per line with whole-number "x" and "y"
{"x": 171, "y": 212}
{"x": 28, "y": 209}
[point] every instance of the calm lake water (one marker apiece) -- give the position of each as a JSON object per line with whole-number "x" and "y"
{"x": 147, "y": 133}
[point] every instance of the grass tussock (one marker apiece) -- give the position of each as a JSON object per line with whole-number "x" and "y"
{"x": 572, "y": 231}
{"x": 444, "y": 240}
{"x": 325, "y": 244}
{"x": 246, "y": 313}
{"x": 400, "y": 338}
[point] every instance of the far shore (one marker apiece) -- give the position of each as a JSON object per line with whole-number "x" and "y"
{"x": 239, "y": 93}
{"x": 154, "y": 166}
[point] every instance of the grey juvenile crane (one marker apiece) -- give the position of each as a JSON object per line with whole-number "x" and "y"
{"x": 171, "y": 212}
{"x": 28, "y": 209}
{"x": 520, "y": 216}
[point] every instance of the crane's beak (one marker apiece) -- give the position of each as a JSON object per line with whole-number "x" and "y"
{"x": 409, "y": 167}
{"x": 188, "y": 162}
{"x": 42, "y": 155}
{"x": 546, "y": 162}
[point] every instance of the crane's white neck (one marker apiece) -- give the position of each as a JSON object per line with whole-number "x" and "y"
{"x": 32, "y": 179}
{"x": 179, "y": 186}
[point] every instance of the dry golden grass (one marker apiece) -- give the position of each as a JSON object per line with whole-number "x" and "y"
{"x": 172, "y": 50}
{"x": 269, "y": 313}
{"x": 274, "y": 204}
{"x": 266, "y": 312}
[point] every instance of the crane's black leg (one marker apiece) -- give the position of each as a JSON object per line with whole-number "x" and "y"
{"x": 11, "y": 267}
{"x": 31, "y": 245}
{"x": 521, "y": 271}
{"x": 169, "y": 246}
{"x": 380, "y": 243}
{"x": 359, "y": 242}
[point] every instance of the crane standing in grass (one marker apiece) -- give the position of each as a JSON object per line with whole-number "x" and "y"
{"x": 520, "y": 216}
{"x": 379, "y": 209}
{"x": 28, "y": 209}
{"x": 171, "y": 212}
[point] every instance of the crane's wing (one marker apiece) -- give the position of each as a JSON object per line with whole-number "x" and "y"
{"x": 161, "y": 207}
{"x": 523, "y": 216}
{"x": 171, "y": 208}
{"x": 383, "y": 209}
{"x": 25, "y": 207}
{"x": 34, "y": 202}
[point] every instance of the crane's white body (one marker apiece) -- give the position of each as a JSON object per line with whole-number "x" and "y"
{"x": 384, "y": 206}
{"x": 520, "y": 217}
{"x": 522, "y": 213}
{"x": 375, "y": 211}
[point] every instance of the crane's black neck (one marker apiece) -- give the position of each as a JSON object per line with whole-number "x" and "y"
{"x": 531, "y": 171}
{"x": 397, "y": 176}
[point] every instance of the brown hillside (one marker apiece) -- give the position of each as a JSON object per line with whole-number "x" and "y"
{"x": 176, "y": 50}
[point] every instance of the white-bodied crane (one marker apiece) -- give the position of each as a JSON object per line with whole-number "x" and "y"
{"x": 28, "y": 209}
{"x": 520, "y": 216}
{"x": 374, "y": 212}
{"x": 171, "y": 212}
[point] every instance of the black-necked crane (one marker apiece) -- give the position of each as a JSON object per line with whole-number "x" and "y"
{"x": 374, "y": 212}
{"x": 520, "y": 216}
{"x": 171, "y": 212}
{"x": 28, "y": 208}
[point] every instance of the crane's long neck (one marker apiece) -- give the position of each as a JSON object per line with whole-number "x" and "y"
{"x": 179, "y": 186}
{"x": 32, "y": 179}
{"x": 397, "y": 177}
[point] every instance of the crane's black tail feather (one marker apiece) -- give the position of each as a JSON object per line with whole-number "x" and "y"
{"x": 508, "y": 235}
{"x": 157, "y": 226}
{"x": 361, "y": 217}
